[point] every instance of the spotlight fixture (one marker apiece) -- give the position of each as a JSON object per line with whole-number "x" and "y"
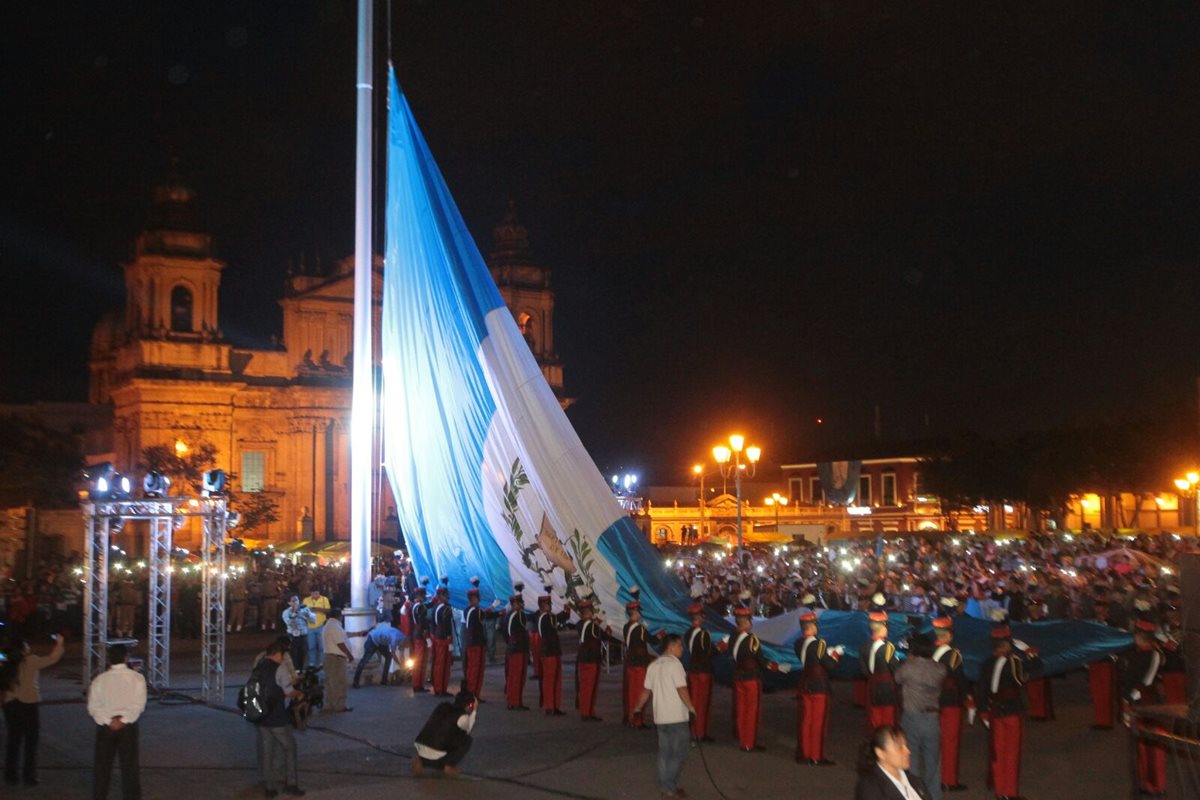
{"x": 103, "y": 481}
{"x": 155, "y": 484}
{"x": 214, "y": 483}
{"x": 233, "y": 520}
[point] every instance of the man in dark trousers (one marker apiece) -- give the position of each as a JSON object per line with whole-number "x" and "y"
{"x": 699, "y": 671}
{"x": 116, "y": 699}
{"x": 277, "y": 761}
{"x": 587, "y": 663}
{"x": 446, "y": 737}
{"x": 516, "y": 660}
{"x": 443, "y": 635}
{"x": 817, "y": 660}
{"x": 420, "y": 637}
{"x": 386, "y": 641}
{"x": 475, "y": 649}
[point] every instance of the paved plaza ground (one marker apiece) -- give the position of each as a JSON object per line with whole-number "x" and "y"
{"x": 191, "y": 750}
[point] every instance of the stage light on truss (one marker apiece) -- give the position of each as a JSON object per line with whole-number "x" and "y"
{"x": 214, "y": 483}
{"x": 233, "y": 520}
{"x": 155, "y": 484}
{"x": 103, "y": 481}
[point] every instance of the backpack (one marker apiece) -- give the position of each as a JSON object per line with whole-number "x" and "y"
{"x": 252, "y": 700}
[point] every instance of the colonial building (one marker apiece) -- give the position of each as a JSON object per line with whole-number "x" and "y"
{"x": 277, "y": 416}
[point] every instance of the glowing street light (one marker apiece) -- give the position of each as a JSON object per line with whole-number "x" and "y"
{"x": 776, "y": 500}
{"x": 1188, "y": 484}
{"x": 742, "y": 461}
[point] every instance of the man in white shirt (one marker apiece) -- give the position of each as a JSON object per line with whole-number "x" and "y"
{"x": 666, "y": 682}
{"x": 116, "y": 699}
{"x": 337, "y": 659}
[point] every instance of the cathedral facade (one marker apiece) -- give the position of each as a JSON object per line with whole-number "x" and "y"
{"x": 278, "y": 418}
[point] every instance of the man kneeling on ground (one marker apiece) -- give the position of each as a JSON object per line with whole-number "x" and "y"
{"x": 446, "y": 737}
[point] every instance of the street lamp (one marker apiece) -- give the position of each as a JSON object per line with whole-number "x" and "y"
{"x": 698, "y": 471}
{"x": 776, "y": 500}
{"x": 1188, "y": 483}
{"x": 741, "y": 461}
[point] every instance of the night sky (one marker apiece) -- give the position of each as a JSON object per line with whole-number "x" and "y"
{"x": 979, "y": 216}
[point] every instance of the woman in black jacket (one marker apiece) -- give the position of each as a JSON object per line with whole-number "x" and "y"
{"x": 883, "y": 767}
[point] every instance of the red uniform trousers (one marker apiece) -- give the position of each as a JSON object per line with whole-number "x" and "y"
{"x": 950, "y": 724}
{"x": 475, "y": 660}
{"x": 700, "y": 690}
{"x": 1041, "y": 699}
{"x": 418, "y": 670}
{"x": 587, "y": 681}
{"x": 860, "y": 692}
{"x": 535, "y": 654}
{"x": 812, "y": 725}
{"x": 1102, "y": 684}
{"x": 746, "y": 712}
{"x": 634, "y": 680}
{"x": 1007, "y": 734}
{"x": 440, "y": 678}
{"x": 1151, "y": 762}
{"x": 1174, "y": 686}
{"x": 552, "y": 683}
{"x": 514, "y": 678}
{"x": 880, "y": 715}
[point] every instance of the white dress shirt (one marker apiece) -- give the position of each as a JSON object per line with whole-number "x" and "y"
{"x": 333, "y": 635}
{"x": 119, "y": 692}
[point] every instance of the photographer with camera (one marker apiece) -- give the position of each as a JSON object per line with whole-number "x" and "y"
{"x": 446, "y": 737}
{"x": 276, "y": 742}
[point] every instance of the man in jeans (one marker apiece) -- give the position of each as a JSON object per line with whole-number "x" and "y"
{"x": 276, "y": 744}
{"x": 666, "y": 682}
{"x": 920, "y": 679}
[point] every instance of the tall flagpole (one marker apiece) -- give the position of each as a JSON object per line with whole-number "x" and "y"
{"x": 362, "y": 409}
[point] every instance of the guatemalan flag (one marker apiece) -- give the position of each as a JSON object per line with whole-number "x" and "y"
{"x": 489, "y": 477}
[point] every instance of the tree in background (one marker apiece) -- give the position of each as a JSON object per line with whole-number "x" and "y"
{"x": 185, "y": 465}
{"x": 38, "y": 465}
{"x": 258, "y": 510}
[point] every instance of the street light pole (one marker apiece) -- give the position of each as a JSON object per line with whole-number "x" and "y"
{"x": 739, "y": 459}
{"x": 698, "y": 471}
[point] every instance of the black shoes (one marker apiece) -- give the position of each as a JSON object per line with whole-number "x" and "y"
{"x": 958, "y": 787}
{"x": 592, "y": 718}
{"x": 293, "y": 791}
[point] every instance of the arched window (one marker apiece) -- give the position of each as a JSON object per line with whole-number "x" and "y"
{"x": 181, "y": 309}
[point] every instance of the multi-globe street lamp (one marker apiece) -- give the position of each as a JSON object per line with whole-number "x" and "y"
{"x": 1190, "y": 484}
{"x": 741, "y": 462}
{"x": 776, "y": 500}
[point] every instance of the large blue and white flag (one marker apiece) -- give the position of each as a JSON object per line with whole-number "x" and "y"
{"x": 490, "y": 478}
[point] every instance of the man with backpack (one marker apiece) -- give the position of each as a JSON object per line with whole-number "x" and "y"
{"x": 264, "y": 702}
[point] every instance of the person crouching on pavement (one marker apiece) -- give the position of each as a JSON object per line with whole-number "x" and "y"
{"x": 446, "y": 737}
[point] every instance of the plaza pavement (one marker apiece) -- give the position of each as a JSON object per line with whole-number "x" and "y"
{"x": 194, "y": 751}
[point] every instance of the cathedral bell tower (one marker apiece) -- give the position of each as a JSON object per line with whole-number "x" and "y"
{"x": 525, "y": 286}
{"x": 171, "y": 284}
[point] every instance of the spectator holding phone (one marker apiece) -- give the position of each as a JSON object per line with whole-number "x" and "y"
{"x": 21, "y": 696}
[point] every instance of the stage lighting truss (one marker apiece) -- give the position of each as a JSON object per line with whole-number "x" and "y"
{"x": 105, "y": 518}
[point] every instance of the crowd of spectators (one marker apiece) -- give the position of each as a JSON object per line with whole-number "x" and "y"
{"x": 1032, "y": 576}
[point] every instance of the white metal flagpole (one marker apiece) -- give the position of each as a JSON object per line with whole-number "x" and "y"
{"x": 362, "y": 409}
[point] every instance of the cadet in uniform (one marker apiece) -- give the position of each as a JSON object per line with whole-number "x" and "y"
{"x": 812, "y": 692}
{"x": 475, "y": 650}
{"x": 420, "y": 636}
{"x": 1001, "y": 707}
{"x": 748, "y": 661}
{"x": 587, "y": 663}
{"x": 951, "y": 701}
{"x": 878, "y": 661}
{"x": 1102, "y": 682}
{"x": 443, "y": 636}
{"x": 699, "y": 671}
{"x": 637, "y": 658}
{"x": 1138, "y": 672}
{"x": 551, "y": 655}
{"x": 517, "y": 658}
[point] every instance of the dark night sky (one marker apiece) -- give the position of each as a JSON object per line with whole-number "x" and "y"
{"x": 984, "y": 214}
